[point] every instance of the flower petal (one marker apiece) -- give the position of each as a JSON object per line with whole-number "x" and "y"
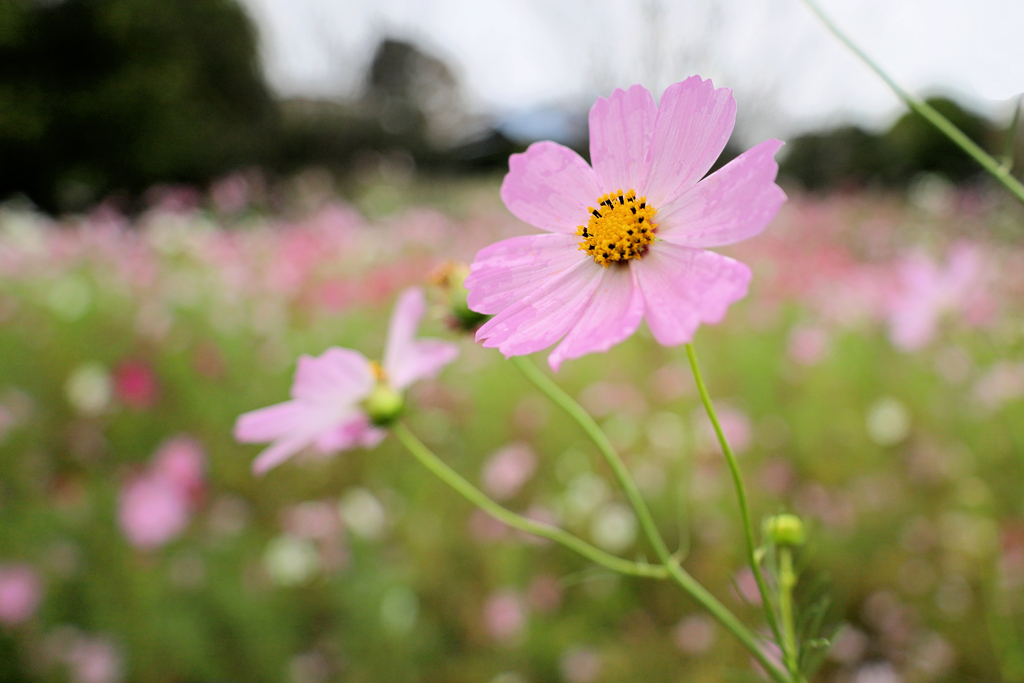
{"x": 620, "y": 137}
{"x": 544, "y": 315}
{"x": 405, "y": 319}
{"x": 407, "y": 359}
{"x": 354, "y": 431}
{"x": 422, "y": 360}
{"x": 694, "y": 122}
{"x": 281, "y": 450}
{"x": 511, "y": 269}
{"x": 272, "y": 422}
{"x": 551, "y": 187}
{"x": 735, "y": 202}
{"x": 613, "y": 314}
{"x": 337, "y": 376}
{"x": 684, "y": 287}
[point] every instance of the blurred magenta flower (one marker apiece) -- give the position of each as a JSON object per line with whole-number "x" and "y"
{"x": 20, "y": 593}
{"x": 135, "y": 384}
{"x": 626, "y": 239}
{"x": 156, "y": 505}
{"x": 327, "y": 410}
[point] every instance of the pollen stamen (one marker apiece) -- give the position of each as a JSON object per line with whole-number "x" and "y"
{"x": 619, "y": 233}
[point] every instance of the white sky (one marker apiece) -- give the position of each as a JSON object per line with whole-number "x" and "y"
{"x": 787, "y": 70}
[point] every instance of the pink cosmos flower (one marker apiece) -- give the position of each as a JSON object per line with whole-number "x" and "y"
{"x": 152, "y": 511}
{"x": 625, "y": 240}
{"x": 325, "y": 412}
{"x": 926, "y": 291}
{"x": 155, "y": 506}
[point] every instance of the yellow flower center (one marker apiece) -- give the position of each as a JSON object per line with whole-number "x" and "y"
{"x": 378, "y": 371}
{"x": 619, "y": 229}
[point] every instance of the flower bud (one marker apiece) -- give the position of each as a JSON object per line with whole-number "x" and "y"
{"x": 785, "y": 530}
{"x": 450, "y": 278}
{"x": 384, "y": 405}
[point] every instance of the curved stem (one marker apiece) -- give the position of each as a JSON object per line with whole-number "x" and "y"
{"x": 741, "y": 495}
{"x": 597, "y": 435}
{"x": 478, "y": 498}
{"x": 681, "y": 577}
{"x": 998, "y": 171}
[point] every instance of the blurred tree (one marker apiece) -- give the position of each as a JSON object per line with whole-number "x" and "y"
{"x": 852, "y": 156}
{"x": 413, "y": 93}
{"x": 98, "y": 96}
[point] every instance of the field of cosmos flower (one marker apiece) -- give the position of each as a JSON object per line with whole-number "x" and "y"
{"x": 872, "y": 382}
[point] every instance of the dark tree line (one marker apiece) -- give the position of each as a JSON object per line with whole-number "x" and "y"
{"x": 108, "y": 97}
{"x": 850, "y": 156}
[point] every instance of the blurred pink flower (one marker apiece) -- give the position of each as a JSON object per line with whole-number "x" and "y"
{"x": 153, "y": 510}
{"x": 231, "y": 193}
{"x": 746, "y": 586}
{"x": 20, "y": 593}
{"x": 649, "y": 164}
{"x": 580, "y": 665}
{"x": 156, "y": 505}
{"x": 325, "y": 411}
{"x": 136, "y": 384}
{"x": 506, "y": 471}
{"x": 95, "y": 660}
{"x": 504, "y": 616}
{"x": 926, "y": 292}
{"x": 182, "y": 461}
{"x": 695, "y": 634}
{"x": 735, "y": 425}
{"x": 808, "y": 345}
{"x": 1000, "y": 384}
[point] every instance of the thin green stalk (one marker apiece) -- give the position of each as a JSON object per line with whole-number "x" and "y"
{"x": 727, "y": 619}
{"x": 597, "y": 435}
{"x": 478, "y": 498}
{"x": 1011, "y": 136}
{"x": 997, "y": 170}
{"x": 787, "y": 581}
{"x": 741, "y": 495}
{"x": 682, "y": 578}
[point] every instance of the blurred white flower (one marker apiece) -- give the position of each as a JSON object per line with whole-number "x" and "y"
{"x": 888, "y": 421}
{"x": 89, "y": 388}
{"x": 69, "y": 297}
{"x": 614, "y": 527}
{"x": 290, "y": 560}
{"x": 363, "y": 513}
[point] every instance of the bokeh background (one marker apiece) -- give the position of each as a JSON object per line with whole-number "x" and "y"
{"x": 194, "y": 193}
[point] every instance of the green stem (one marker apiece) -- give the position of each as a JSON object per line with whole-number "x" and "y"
{"x": 597, "y": 435}
{"x": 682, "y": 578}
{"x": 478, "y": 498}
{"x": 1011, "y": 135}
{"x": 741, "y": 495}
{"x": 787, "y": 581}
{"x": 997, "y": 170}
{"x": 1003, "y": 636}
